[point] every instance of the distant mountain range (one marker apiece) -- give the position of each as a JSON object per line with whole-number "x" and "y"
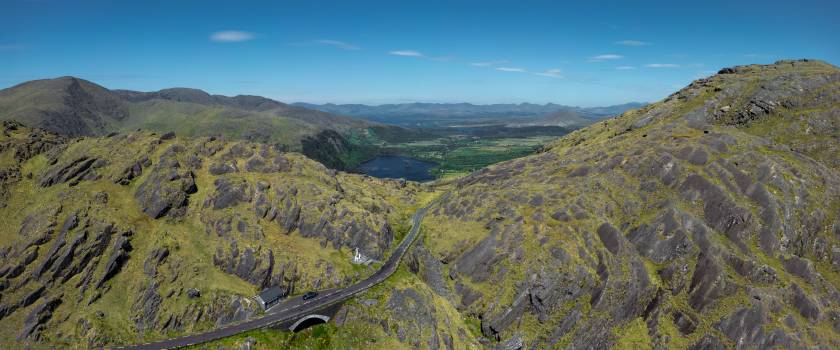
{"x": 77, "y": 107}
{"x": 708, "y": 220}
{"x": 332, "y": 134}
{"x": 446, "y": 114}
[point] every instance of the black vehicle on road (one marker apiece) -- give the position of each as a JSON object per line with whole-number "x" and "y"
{"x": 297, "y": 310}
{"x": 310, "y": 295}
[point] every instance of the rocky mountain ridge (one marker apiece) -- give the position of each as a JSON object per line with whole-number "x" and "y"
{"x": 708, "y": 220}
{"x": 156, "y": 234}
{"x": 75, "y": 107}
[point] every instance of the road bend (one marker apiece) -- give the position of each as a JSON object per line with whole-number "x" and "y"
{"x": 307, "y": 307}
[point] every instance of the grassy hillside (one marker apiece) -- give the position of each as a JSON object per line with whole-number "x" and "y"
{"x": 707, "y": 220}
{"x": 127, "y": 226}
{"x": 191, "y": 119}
{"x": 76, "y": 107}
{"x": 65, "y": 105}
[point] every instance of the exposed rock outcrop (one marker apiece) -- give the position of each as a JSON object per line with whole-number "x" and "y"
{"x": 693, "y": 214}
{"x": 166, "y": 190}
{"x": 37, "y": 318}
{"x": 250, "y": 265}
{"x": 75, "y": 236}
{"x": 73, "y": 172}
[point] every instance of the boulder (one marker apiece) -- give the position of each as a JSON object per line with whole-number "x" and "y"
{"x": 610, "y": 237}
{"x": 156, "y": 257}
{"x": 222, "y": 168}
{"x": 719, "y": 211}
{"x": 119, "y": 254}
{"x": 707, "y": 283}
{"x": 132, "y": 171}
{"x": 166, "y": 190}
{"x": 146, "y": 307}
{"x": 230, "y": 192}
{"x": 72, "y": 172}
{"x": 745, "y": 328}
{"x": 36, "y": 321}
{"x": 250, "y": 265}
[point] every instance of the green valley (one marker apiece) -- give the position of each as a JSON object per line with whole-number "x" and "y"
{"x": 688, "y": 223}
{"x": 461, "y": 154}
{"x": 423, "y": 175}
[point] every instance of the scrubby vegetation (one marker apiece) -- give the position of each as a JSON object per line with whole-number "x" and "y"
{"x": 709, "y": 220}
{"x": 157, "y": 235}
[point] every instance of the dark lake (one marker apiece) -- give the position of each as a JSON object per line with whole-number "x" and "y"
{"x": 396, "y": 167}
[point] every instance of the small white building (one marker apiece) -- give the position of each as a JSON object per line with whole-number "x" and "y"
{"x": 360, "y": 259}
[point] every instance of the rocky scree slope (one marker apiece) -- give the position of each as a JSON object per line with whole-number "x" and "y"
{"x": 709, "y": 220}
{"x": 134, "y": 237}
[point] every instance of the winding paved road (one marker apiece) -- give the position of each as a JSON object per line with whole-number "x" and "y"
{"x": 307, "y": 307}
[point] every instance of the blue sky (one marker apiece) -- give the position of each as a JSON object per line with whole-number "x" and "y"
{"x": 591, "y": 54}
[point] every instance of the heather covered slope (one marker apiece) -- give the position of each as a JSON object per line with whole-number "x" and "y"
{"x": 133, "y": 237}
{"x": 709, "y": 220}
{"x": 65, "y": 105}
{"x": 76, "y": 107}
{"x": 193, "y": 112}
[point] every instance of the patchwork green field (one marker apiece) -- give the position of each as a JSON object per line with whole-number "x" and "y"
{"x": 457, "y": 151}
{"x": 460, "y": 155}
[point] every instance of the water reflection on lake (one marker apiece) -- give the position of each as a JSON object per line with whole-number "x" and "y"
{"x": 396, "y": 167}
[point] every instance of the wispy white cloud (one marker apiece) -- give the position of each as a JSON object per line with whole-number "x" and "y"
{"x": 625, "y": 67}
{"x": 231, "y": 36}
{"x": 418, "y": 54}
{"x": 339, "y": 44}
{"x": 406, "y": 53}
{"x": 488, "y": 63}
{"x": 632, "y": 43}
{"x": 552, "y": 73}
{"x": 662, "y": 65}
{"x": 512, "y": 69}
{"x": 605, "y": 57}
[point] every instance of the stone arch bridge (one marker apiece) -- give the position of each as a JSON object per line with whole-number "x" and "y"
{"x": 312, "y": 318}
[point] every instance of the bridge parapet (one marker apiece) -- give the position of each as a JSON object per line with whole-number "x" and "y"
{"x": 308, "y": 320}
